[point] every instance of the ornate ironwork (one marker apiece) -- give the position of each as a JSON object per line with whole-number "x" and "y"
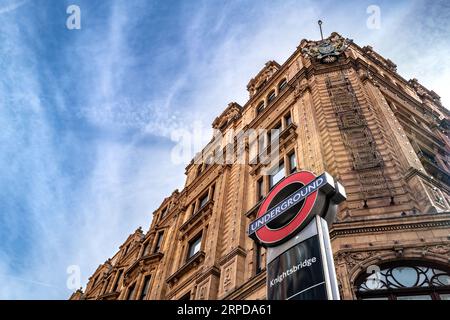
{"x": 400, "y": 277}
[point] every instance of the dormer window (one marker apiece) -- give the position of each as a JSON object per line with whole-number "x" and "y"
{"x": 260, "y": 108}
{"x": 271, "y": 96}
{"x": 282, "y": 85}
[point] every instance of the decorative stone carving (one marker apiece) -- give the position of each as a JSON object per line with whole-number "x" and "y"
{"x": 300, "y": 87}
{"x": 227, "y": 279}
{"x": 231, "y": 113}
{"x": 326, "y": 50}
{"x": 262, "y": 77}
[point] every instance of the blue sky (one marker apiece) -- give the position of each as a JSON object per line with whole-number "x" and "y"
{"x": 87, "y": 116}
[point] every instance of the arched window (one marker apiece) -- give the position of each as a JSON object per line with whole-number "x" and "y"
{"x": 405, "y": 280}
{"x": 282, "y": 85}
{"x": 260, "y": 107}
{"x": 271, "y": 96}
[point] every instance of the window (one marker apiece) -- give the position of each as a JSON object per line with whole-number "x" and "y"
{"x": 119, "y": 279}
{"x": 95, "y": 281}
{"x": 276, "y": 175}
{"x": 213, "y": 189}
{"x": 292, "y": 163}
{"x": 202, "y": 202}
{"x": 260, "y": 189}
{"x": 274, "y": 133}
{"x": 146, "y": 248}
{"x": 158, "y": 242}
{"x": 131, "y": 290}
{"x": 405, "y": 280}
{"x": 271, "y": 96}
{"x": 125, "y": 251}
{"x": 199, "y": 170}
{"x": 258, "y": 258}
{"x": 194, "y": 246}
{"x": 107, "y": 284}
{"x": 260, "y": 107}
{"x": 282, "y": 85}
{"x": 288, "y": 119}
{"x": 186, "y": 297}
{"x": 164, "y": 212}
{"x": 145, "y": 287}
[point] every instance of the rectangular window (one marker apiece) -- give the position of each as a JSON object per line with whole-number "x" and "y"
{"x": 260, "y": 189}
{"x": 158, "y": 242}
{"x": 292, "y": 163}
{"x": 271, "y": 97}
{"x": 146, "y": 248}
{"x": 203, "y": 201}
{"x": 125, "y": 251}
{"x": 164, "y": 212}
{"x": 288, "y": 119}
{"x": 275, "y": 132}
{"x": 276, "y": 175}
{"x": 260, "y": 108}
{"x": 119, "y": 279}
{"x": 131, "y": 289}
{"x": 194, "y": 246}
{"x": 282, "y": 85}
{"x": 258, "y": 258}
{"x": 145, "y": 288}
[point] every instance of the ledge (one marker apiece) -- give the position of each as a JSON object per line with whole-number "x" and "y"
{"x": 109, "y": 296}
{"x": 252, "y": 212}
{"x": 419, "y": 221}
{"x": 203, "y": 212}
{"x": 157, "y": 256}
{"x": 193, "y": 262}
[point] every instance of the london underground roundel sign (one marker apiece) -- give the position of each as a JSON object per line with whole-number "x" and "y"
{"x": 292, "y": 204}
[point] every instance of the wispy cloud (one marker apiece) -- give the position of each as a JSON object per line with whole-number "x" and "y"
{"x": 12, "y": 6}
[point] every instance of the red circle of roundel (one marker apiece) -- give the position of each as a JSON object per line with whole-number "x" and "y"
{"x": 269, "y": 236}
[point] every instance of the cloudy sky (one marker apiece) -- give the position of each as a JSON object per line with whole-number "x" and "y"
{"x": 87, "y": 116}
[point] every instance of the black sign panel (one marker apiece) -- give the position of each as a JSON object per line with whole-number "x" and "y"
{"x": 297, "y": 274}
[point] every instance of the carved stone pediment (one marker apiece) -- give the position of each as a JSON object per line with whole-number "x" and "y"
{"x": 262, "y": 77}
{"x": 231, "y": 113}
{"x": 327, "y": 50}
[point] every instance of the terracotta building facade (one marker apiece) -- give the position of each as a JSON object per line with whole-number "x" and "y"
{"x": 335, "y": 107}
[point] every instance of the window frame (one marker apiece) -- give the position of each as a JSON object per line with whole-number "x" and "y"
{"x": 282, "y": 168}
{"x": 271, "y": 96}
{"x": 131, "y": 291}
{"x": 190, "y": 247}
{"x": 145, "y": 293}
{"x": 158, "y": 241}
{"x": 282, "y": 85}
{"x": 260, "y": 107}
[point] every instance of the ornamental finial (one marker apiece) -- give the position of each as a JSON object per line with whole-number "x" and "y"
{"x": 320, "y": 27}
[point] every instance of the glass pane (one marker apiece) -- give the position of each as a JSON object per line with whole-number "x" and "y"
{"x": 445, "y": 296}
{"x": 405, "y": 276}
{"x": 292, "y": 162}
{"x": 277, "y": 175}
{"x": 195, "y": 247}
{"x": 444, "y": 279}
{"x": 203, "y": 201}
{"x": 416, "y": 297}
{"x": 377, "y": 298}
{"x": 288, "y": 120}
